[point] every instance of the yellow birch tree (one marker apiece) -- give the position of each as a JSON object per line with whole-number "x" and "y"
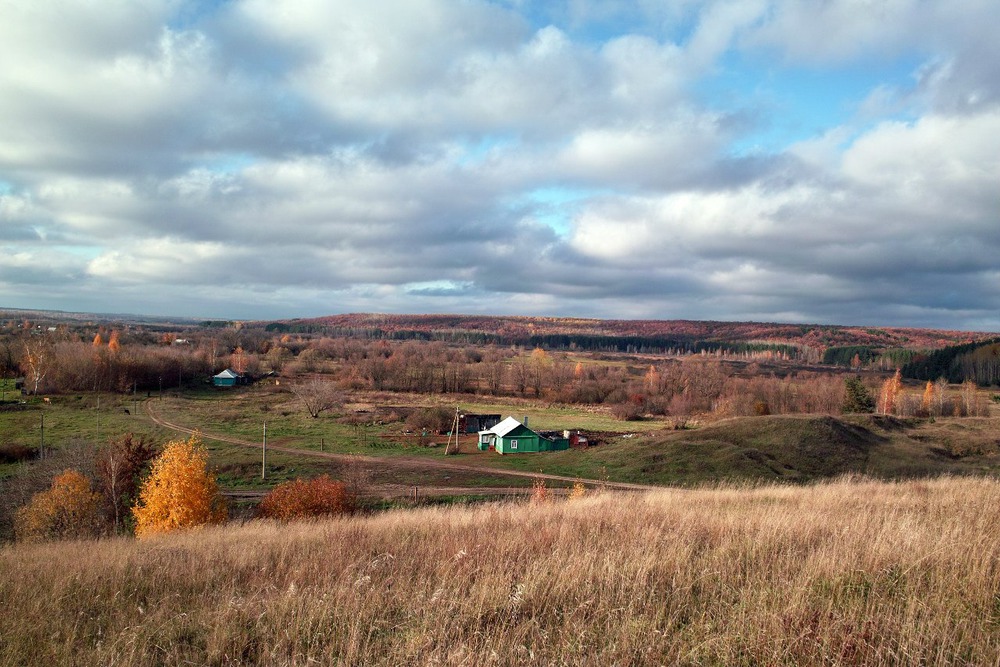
{"x": 179, "y": 492}
{"x": 889, "y": 392}
{"x": 927, "y": 402}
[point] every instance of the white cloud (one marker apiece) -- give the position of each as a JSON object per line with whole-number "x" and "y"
{"x": 331, "y": 157}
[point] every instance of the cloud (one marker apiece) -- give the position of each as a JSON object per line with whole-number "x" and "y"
{"x": 295, "y": 158}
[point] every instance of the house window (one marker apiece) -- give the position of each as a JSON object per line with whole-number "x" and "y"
{"x": 513, "y": 444}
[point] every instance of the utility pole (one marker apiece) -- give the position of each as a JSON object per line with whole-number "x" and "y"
{"x": 454, "y": 429}
{"x": 263, "y": 452}
{"x": 41, "y": 442}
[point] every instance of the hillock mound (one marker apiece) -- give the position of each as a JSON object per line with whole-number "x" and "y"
{"x": 773, "y": 448}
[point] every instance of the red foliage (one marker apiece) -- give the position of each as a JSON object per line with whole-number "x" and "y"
{"x": 300, "y": 499}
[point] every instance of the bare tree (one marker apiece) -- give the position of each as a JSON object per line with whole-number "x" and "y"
{"x": 120, "y": 465}
{"x": 36, "y": 360}
{"x": 942, "y": 387}
{"x": 318, "y": 396}
{"x": 521, "y": 374}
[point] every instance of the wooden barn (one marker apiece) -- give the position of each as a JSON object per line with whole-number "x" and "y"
{"x": 512, "y": 437}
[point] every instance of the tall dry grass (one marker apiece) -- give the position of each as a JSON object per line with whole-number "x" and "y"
{"x": 842, "y": 573}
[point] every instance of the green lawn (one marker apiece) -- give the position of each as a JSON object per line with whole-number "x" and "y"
{"x": 243, "y": 414}
{"x": 74, "y": 418}
{"x": 563, "y": 417}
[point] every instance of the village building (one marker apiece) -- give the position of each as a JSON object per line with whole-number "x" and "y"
{"x": 477, "y": 423}
{"x": 512, "y": 437}
{"x": 229, "y": 378}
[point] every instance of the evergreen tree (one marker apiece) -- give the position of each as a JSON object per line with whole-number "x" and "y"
{"x": 858, "y": 398}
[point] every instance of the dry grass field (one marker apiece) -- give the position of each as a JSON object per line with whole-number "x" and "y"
{"x": 845, "y": 572}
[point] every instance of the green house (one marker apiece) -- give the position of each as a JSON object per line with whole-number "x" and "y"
{"x": 512, "y": 437}
{"x": 227, "y": 378}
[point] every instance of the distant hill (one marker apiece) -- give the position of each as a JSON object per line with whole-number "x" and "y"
{"x": 62, "y": 317}
{"x": 556, "y": 330}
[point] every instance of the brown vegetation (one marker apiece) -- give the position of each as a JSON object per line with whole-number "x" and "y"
{"x": 844, "y": 573}
{"x": 301, "y": 499}
{"x": 819, "y": 336}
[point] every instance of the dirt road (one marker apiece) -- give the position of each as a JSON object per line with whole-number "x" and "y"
{"x": 402, "y": 462}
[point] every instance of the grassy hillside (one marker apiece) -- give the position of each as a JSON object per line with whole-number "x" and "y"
{"x": 843, "y": 573}
{"x": 787, "y": 448}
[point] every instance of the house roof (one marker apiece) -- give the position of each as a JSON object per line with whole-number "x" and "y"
{"x": 505, "y": 427}
{"x": 229, "y": 373}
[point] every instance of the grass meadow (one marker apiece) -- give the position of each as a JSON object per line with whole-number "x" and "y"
{"x": 844, "y": 572}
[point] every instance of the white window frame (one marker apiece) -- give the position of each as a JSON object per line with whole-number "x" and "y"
{"x": 513, "y": 444}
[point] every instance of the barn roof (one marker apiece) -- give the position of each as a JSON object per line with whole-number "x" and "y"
{"x": 228, "y": 374}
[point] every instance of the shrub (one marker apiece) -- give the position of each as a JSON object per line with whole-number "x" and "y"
{"x": 15, "y": 453}
{"x": 179, "y": 492}
{"x": 68, "y": 510}
{"x": 435, "y": 420}
{"x": 539, "y": 492}
{"x": 300, "y": 499}
{"x": 627, "y": 411}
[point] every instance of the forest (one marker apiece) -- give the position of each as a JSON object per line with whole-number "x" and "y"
{"x": 632, "y": 376}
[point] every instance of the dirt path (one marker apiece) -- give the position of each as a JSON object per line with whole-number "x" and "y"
{"x": 404, "y": 491}
{"x": 401, "y": 462}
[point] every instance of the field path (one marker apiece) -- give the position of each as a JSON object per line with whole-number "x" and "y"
{"x": 402, "y": 462}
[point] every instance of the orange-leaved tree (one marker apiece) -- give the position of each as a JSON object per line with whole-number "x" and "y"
{"x": 69, "y": 509}
{"x": 300, "y": 499}
{"x": 927, "y": 402}
{"x": 180, "y": 492}
{"x": 889, "y": 393}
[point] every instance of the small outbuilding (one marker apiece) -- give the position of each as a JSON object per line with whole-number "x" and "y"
{"x": 512, "y": 437}
{"x": 228, "y": 378}
{"x": 477, "y": 423}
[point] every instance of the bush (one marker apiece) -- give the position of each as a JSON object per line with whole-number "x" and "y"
{"x": 539, "y": 492}
{"x": 15, "y": 453}
{"x": 628, "y": 411}
{"x": 435, "y": 420}
{"x": 68, "y": 510}
{"x": 302, "y": 499}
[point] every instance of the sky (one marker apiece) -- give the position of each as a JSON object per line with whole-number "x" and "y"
{"x": 820, "y": 161}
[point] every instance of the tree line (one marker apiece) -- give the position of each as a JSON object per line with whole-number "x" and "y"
{"x": 979, "y": 362}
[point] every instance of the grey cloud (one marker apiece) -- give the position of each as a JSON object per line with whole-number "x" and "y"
{"x": 308, "y": 158}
